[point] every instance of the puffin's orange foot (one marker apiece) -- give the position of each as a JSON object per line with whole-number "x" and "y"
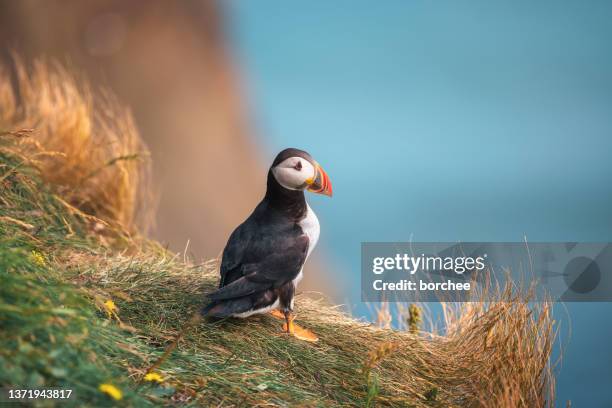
{"x": 304, "y": 334}
{"x": 300, "y": 333}
{"x": 278, "y": 314}
{"x": 291, "y": 328}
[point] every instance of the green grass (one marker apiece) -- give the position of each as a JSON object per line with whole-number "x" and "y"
{"x": 51, "y": 335}
{"x": 58, "y": 267}
{"x": 55, "y": 275}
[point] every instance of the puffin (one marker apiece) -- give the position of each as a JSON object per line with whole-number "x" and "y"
{"x": 263, "y": 260}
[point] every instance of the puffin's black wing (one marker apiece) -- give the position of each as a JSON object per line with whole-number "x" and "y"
{"x": 281, "y": 265}
{"x": 233, "y": 253}
{"x": 263, "y": 253}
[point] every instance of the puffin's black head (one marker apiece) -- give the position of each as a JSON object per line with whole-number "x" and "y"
{"x": 295, "y": 169}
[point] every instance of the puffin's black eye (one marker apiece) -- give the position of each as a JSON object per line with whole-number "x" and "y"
{"x": 298, "y": 166}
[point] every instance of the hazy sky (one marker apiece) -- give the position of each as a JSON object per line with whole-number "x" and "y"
{"x": 446, "y": 121}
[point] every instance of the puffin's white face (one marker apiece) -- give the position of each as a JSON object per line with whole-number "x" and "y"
{"x": 294, "y": 173}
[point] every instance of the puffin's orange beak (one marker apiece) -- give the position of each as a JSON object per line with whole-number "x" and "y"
{"x": 320, "y": 184}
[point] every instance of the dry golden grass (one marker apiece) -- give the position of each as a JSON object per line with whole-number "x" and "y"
{"x": 510, "y": 343}
{"x": 84, "y": 142}
{"x": 495, "y": 351}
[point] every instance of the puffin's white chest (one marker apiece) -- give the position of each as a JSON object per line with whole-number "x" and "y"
{"x": 310, "y": 226}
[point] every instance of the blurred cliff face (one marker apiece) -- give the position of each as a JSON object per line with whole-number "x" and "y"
{"x": 167, "y": 61}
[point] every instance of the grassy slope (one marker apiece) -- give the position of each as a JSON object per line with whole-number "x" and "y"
{"x": 54, "y": 330}
{"x": 56, "y": 274}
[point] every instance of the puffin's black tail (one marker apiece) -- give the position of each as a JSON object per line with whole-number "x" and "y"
{"x": 226, "y": 308}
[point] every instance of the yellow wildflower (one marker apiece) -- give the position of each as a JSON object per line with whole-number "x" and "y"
{"x": 153, "y": 377}
{"x": 111, "y": 308}
{"x": 38, "y": 258}
{"x": 112, "y": 391}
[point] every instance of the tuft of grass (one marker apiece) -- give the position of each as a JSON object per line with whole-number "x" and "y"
{"x": 414, "y": 318}
{"x": 85, "y": 142}
{"x": 373, "y": 359}
{"x": 84, "y": 308}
